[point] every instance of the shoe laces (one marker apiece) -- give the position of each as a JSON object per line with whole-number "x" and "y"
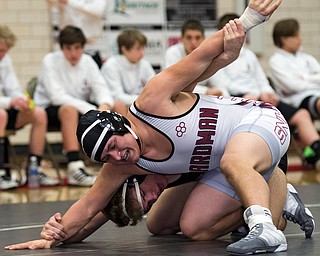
{"x": 304, "y": 223}
{"x": 80, "y": 174}
{"x": 42, "y": 176}
{"x": 291, "y": 217}
{"x": 253, "y": 232}
{"x": 5, "y": 178}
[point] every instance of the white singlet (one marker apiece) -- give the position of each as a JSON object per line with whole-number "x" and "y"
{"x": 200, "y": 135}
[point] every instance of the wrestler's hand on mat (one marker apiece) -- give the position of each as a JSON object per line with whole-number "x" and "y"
{"x": 52, "y": 229}
{"x": 31, "y": 245}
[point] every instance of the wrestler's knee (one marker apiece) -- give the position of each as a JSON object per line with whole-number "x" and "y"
{"x": 195, "y": 231}
{"x": 157, "y": 228}
{"x": 153, "y": 227}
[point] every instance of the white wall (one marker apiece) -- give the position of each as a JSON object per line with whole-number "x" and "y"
{"x": 29, "y": 19}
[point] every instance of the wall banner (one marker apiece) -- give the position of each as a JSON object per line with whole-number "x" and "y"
{"x": 121, "y": 12}
{"x": 177, "y": 11}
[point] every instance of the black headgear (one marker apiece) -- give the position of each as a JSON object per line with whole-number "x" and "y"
{"x": 96, "y": 127}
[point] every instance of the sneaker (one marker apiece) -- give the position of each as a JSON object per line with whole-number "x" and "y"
{"x": 294, "y": 210}
{"x": 77, "y": 176}
{"x": 6, "y": 182}
{"x": 262, "y": 238}
{"x": 46, "y": 180}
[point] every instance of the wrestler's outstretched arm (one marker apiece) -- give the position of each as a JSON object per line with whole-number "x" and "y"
{"x": 81, "y": 213}
{"x": 53, "y": 232}
{"x": 183, "y": 75}
{"x": 53, "y": 229}
{"x": 256, "y": 13}
{"x": 234, "y": 37}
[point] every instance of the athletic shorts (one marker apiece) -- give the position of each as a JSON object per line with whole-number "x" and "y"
{"x": 286, "y": 110}
{"x": 310, "y": 104}
{"x": 53, "y": 119}
{"x": 12, "y": 118}
{"x": 270, "y": 125}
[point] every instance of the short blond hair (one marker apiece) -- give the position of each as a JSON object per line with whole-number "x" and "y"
{"x": 7, "y": 36}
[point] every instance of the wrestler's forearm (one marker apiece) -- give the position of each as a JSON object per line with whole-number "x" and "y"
{"x": 76, "y": 218}
{"x": 91, "y": 204}
{"x": 209, "y": 49}
{"x": 203, "y": 57}
{"x": 232, "y": 41}
{"x": 95, "y": 223}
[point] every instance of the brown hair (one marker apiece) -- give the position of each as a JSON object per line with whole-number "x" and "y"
{"x": 7, "y": 36}
{"x": 129, "y": 37}
{"x": 71, "y": 35}
{"x": 114, "y": 210}
{"x": 192, "y": 24}
{"x": 284, "y": 28}
{"x": 226, "y": 18}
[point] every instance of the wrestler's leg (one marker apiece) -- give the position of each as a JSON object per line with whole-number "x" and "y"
{"x": 172, "y": 201}
{"x": 243, "y": 169}
{"x": 210, "y": 213}
{"x": 278, "y": 195}
{"x": 246, "y": 155}
{"x": 221, "y": 214}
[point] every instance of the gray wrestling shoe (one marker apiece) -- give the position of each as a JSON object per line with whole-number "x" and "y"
{"x": 262, "y": 238}
{"x": 294, "y": 210}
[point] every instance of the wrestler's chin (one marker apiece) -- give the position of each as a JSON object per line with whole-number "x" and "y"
{"x": 133, "y": 159}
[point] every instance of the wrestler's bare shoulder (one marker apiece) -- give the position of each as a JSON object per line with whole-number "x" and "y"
{"x": 169, "y": 108}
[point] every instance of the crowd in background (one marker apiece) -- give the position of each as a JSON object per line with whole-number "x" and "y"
{"x": 74, "y": 79}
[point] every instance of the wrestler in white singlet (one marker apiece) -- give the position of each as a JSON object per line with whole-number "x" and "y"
{"x": 200, "y": 135}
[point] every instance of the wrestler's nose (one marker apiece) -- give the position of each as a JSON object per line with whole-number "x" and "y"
{"x": 115, "y": 154}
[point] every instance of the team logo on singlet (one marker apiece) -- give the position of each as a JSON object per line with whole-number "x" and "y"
{"x": 200, "y": 160}
{"x": 281, "y": 128}
{"x": 181, "y": 129}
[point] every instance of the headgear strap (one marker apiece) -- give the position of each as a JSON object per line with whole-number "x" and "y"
{"x": 124, "y": 191}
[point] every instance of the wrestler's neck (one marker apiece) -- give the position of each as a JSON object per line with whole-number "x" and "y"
{"x": 152, "y": 144}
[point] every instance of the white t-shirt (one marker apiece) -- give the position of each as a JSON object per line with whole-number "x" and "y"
{"x": 126, "y": 79}
{"x": 9, "y": 84}
{"x": 244, "y": 75}
{"x": 87, "y": 15}
{"x": 296, "y": 76}
{"x": 60, "y": 83}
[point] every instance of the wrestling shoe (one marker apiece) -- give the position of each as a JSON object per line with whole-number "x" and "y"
{"x": 77, "y": 176}
{"x": 294, "y": 210}
{"x": 6, "y": 182}
{"x": 262, "y": 238}
{"x": 46, "y": 180}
